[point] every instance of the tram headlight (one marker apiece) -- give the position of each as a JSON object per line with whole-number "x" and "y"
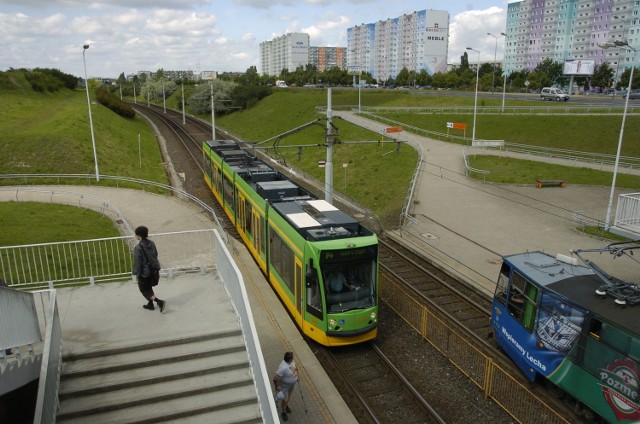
{"x": 373, "y": 316}
{"x": 332, "y": 321}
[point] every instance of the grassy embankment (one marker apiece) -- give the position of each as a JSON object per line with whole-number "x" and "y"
{"x": 50, "y": 133}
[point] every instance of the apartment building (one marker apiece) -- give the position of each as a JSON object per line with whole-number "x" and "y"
{"x": 324, "y": 58}
{"x": 285, "y": 52}
{"x": 572, "y": 30}
{"x": 416, "y": 41}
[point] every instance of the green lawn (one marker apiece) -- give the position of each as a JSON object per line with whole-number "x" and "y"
{"x": 515, "y": 171}
{"x": 33, "y": 222}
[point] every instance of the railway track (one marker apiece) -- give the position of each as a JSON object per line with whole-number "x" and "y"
{"x": 385, "y": 395}
{"x": 453, "y": 300}
{"x": 448, "y": 295}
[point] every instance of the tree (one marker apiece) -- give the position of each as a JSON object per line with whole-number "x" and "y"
{"x": 624, "y": 79}
{"x": 403, "y": 77}
{"x": 464, "y": 63}
{"x": 548, "y": 72}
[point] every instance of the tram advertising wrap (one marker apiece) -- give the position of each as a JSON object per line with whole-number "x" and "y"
{"x": 550, "y": 322}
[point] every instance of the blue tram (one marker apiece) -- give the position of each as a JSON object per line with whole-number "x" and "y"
{"x": 298, "y": 241}
{"x": 573, "y": 325}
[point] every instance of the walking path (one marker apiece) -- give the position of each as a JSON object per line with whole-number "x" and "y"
{"x": 467, "y": 225}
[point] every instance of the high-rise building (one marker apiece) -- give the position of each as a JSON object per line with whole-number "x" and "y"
{"x": 415, "y": 41}
{"x": 285, "y": 52}
{"x": 324, "y": 58}
{"x": 571, "y": 30}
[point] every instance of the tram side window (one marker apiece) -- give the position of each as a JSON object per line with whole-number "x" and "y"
{"x": 218, "y": 180}
{"x": 281, "y": 258}
{"x": 261, "y": 235}
{"x": 503, "y": 283}
{"x": 611, "y": 345}
{"x": 522, "y": 300}
{"x": 247, "y": 219}
{"x": 314, "y": 299}
{"x": 228, "y": 192}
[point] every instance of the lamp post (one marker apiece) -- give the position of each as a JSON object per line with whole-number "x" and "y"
{"x": 86, "y": 86}
{"x": 475, "y": 103}
{"x": 625, "y": 44}
{"x": 504, "y": 89}
{"x": 495, "y": 53}
{"x": 213, "y": 115}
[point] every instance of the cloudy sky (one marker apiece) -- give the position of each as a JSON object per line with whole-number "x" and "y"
{"x": 208, "y": 35}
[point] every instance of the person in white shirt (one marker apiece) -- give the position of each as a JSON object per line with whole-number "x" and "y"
{"x": 285, "y": 380}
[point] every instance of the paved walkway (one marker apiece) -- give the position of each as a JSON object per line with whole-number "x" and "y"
{"x": 468, "y": 225}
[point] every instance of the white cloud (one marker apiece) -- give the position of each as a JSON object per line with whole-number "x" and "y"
{"x": 222, "y": 35}
{"x": 470, "y": 28}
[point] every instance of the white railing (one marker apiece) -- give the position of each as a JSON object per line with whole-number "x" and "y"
{"x": 49, "y": 383}
{"x": 49, "y": 265}
{"x": 234, "y": 284}
{"x": 628, "y": 212}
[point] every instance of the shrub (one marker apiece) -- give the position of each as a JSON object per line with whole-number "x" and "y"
{"x": 114, "y": 103}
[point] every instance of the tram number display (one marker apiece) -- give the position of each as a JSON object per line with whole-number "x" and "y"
{"x": 348, "y": 254}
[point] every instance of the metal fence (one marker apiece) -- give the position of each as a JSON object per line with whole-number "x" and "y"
{"x": 514, "y": 397}
{"x": 628, "y": 212}
{"x": 60, "y": 264}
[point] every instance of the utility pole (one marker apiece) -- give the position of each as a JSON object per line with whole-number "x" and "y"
{"x": 328, "y": 167}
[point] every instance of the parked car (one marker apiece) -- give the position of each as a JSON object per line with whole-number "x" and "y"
{"x": 634, "y": 95}
{"x": 550, "y": 93}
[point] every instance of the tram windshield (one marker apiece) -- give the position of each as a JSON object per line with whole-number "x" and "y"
{"x": 349, "y": 278}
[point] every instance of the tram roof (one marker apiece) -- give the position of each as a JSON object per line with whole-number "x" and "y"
{"x": 577, "y": 283}
{"x": 319, "y": 220}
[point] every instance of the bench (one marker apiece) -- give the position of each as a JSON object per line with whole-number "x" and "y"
{"x": 549, "y": 183}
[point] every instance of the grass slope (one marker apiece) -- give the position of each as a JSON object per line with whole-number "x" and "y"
{"x": 375, "y": 175}
{"x": 50, "y": 133}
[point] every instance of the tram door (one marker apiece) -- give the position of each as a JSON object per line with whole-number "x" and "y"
{"x": 299, "y": 293}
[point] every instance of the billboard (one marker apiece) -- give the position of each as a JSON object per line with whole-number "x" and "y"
{"x": 354, "y": 70}
{"x": 579, "y": 66}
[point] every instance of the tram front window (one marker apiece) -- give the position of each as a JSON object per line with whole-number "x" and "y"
{"x": 349, "y": 285}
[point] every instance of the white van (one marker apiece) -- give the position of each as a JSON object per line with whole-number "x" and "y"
{"x": 550, "y": 93}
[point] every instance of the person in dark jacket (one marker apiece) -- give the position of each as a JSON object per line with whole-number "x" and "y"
{"x": 145, "y": 260}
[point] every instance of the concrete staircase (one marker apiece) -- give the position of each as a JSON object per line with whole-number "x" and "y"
{"x": 199, "y": 379}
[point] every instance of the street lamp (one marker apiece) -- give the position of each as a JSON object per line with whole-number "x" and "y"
{"x": 625, "y": 44}
{"x": 504, "y": 88}
{"x": 86, "y": 86}
{"x": 475, "y": 103}
{"x": 495, "y": 52}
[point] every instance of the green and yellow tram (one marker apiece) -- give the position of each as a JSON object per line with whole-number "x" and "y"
{"x": 299, "y": 241}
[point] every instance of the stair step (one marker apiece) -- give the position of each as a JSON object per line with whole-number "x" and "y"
{"x": 236, "y": 415}
{"x": 124, "y": 360}
{"x": 86, "y": 385}
{"x": 149, "y": 345}
{"x": 191, "y": 379}
{"x": 217, "y": 385}
{"x": 216, "y": 405}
